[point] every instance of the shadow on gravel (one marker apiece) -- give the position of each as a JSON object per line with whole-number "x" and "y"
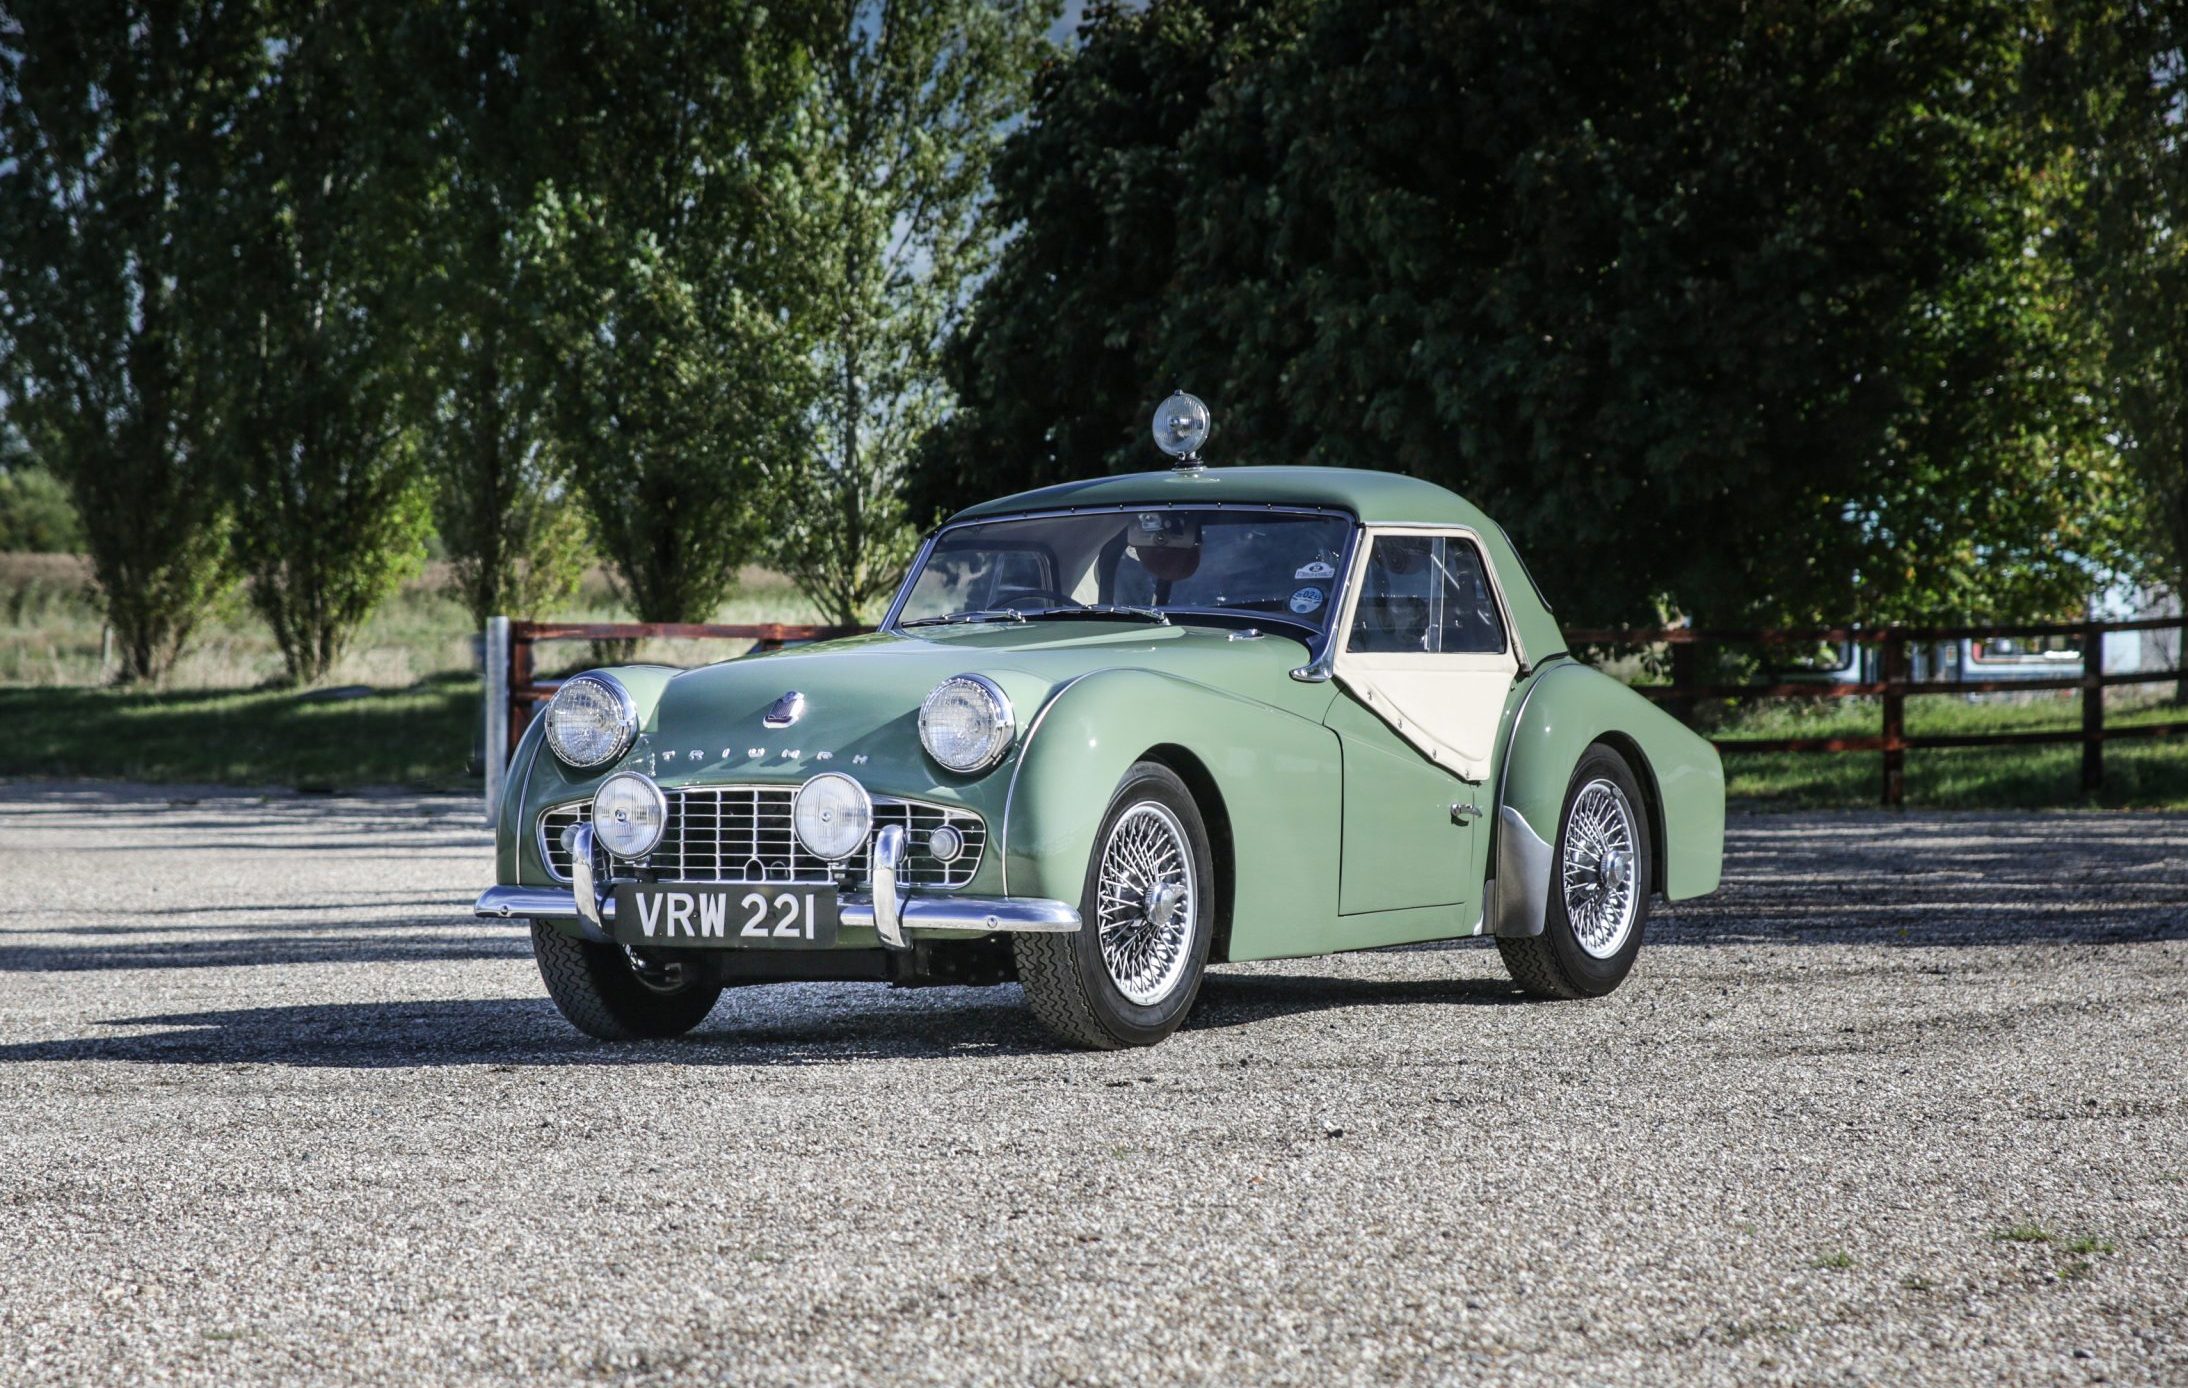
{"x": 374, "y": 944}
{"x": 1229, "y": 1000}
{"x": 525, "y": 1031}
{"x": 786, "y": 1024}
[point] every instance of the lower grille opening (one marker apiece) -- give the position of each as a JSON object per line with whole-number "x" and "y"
{"x": 744, "y": 834}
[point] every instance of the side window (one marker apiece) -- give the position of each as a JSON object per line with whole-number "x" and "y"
{"x": 1426, "y": 593}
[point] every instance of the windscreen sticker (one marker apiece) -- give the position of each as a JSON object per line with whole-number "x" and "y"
{"x": 1317, "y": 569}
{"x": 1306, "y": 600}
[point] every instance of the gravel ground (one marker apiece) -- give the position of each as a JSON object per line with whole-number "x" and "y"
{"x": 1903, "y": 1103}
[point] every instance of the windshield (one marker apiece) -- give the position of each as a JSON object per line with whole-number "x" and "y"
{"x": 1173, "y": 561}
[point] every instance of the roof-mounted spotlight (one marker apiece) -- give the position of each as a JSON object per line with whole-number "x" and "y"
{"x": 1181, "y": 427}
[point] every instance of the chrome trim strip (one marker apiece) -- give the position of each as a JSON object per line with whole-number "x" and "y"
{"x": 1522, "y": 896}
{"x": 888, "y": 857}
{"x": 987, "y": 914}
{"x": 1025, "y": 746}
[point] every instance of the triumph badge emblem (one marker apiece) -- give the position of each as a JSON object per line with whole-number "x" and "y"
{"x": 786, "y": 710}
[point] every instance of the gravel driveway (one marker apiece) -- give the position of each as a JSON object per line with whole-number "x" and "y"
{"x": 1903, "y": 1103}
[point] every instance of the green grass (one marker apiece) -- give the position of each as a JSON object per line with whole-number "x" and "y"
{"x": 217, "y": 721}
{"x": 2024, "y": 1233}
{"x": 421, "y": 736}
{"x": 1834, "y": 1261}
{"x": 2144, "y": 773}
{"x": 50, "y": 630}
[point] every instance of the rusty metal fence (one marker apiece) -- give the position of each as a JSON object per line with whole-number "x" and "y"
{"x": 1895, "y": 685}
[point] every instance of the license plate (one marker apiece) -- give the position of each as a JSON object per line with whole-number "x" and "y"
{"x": 728, "y": 915}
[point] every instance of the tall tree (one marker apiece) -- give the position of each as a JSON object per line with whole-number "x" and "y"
{"x": 2122, "y": 71}
{"x": 112, "y": 113}
{"x": 669, "y": 263}
{"x": 909, "y": 100}
{"x": 318, "y": 373}
{"x": 504, "y": 506}
{"x": 1742, "y": 311}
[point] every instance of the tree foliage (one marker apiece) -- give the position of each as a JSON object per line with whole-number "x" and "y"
{"x": 317, "y": 371}
{"x": 668, "y": 259}
{"x": 505, "y": 507}
{"x": 2122, "y": 80}
{"x": 1748, "y": 312}
{"x": 907, "y": 102}
{"x": 111, "y": 113}
{"x": 36, "y": 515}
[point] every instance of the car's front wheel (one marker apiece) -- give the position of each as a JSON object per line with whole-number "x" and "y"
{"x": 1129, "y": 974}
{"x": 1599, "y": 888}
{"x": 608, "y": 992}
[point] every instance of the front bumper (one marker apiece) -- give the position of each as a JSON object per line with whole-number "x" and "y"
{"x": 884, "y": 910}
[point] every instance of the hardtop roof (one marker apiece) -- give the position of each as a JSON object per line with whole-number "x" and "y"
{"x": 1385, "y": 498}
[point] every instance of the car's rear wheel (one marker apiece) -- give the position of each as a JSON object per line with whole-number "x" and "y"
{"x": 607, "y": 991}
{"x": 1128, "y": 976}
{"x": 1599, "y": 888}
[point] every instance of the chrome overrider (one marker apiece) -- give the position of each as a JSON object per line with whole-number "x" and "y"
{"x": 886, "y": 910}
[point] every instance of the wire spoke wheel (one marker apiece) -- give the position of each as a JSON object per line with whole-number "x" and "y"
{"x": 1146, "y": 902}
{"x": 1598, "y": 868}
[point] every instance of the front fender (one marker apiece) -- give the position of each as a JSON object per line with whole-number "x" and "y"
{"x": 1568, "y": 708}
{"x": 1276, "y": 776}
{"x": 536, "y": 778}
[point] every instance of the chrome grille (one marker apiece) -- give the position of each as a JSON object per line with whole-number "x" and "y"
{"x": 744, "y": 834}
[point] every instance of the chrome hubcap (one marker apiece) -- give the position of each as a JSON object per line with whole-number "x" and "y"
{"x": 1146, "y": 907}
{"x": 1601, "y": 893}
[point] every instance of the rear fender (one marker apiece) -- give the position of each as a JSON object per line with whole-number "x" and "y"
{"x": 1567, "y": 709}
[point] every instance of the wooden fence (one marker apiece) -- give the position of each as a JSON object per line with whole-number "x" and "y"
{"x": 1895, "y": 685}
{"x": 514, "y": 689}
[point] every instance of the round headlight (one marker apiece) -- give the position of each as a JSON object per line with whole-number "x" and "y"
{"x": 833, "y": 814}
{"x": 591, "y": 720}
{"x": 965, "y": 723}
{"x": 629, "y": 815}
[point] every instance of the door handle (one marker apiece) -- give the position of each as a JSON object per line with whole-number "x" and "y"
{"x": 1465, "y": 813}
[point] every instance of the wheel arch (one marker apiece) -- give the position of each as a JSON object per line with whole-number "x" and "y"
{"x": 1652, "y": 797}
{"x": 1570, "y": 709}
{"x": 1267, "y": 782}
{"x": 1215, "y": 817}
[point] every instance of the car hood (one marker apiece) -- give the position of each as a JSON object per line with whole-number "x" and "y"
{"x": 862, "y": 694}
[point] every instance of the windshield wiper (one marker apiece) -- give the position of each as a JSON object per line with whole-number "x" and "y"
{"x": 984, "y": 614}
{"x": 1105, "y": 609}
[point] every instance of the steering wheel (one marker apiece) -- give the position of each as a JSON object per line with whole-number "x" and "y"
{"x": 1037, "y": 597}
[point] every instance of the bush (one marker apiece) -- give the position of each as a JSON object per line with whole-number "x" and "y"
{"x": 36, "y": 514}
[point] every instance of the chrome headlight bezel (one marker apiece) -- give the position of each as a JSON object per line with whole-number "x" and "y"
{"x": 1001, "y": 725}
{"x": 851, "y": 831}
{"x": 605, "y": 827}
{"x": 626, "y": 711}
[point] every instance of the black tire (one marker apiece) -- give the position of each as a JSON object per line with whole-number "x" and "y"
{"x": 595, "y": 987}
{"x": 1067, "y": 982}
{"x": 1554, "y": 964}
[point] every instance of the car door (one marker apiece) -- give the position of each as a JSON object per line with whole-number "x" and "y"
{"x": 1425, "y": 661}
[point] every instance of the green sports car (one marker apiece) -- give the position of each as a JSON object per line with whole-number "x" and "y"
{"x": 1109, "y": 733}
